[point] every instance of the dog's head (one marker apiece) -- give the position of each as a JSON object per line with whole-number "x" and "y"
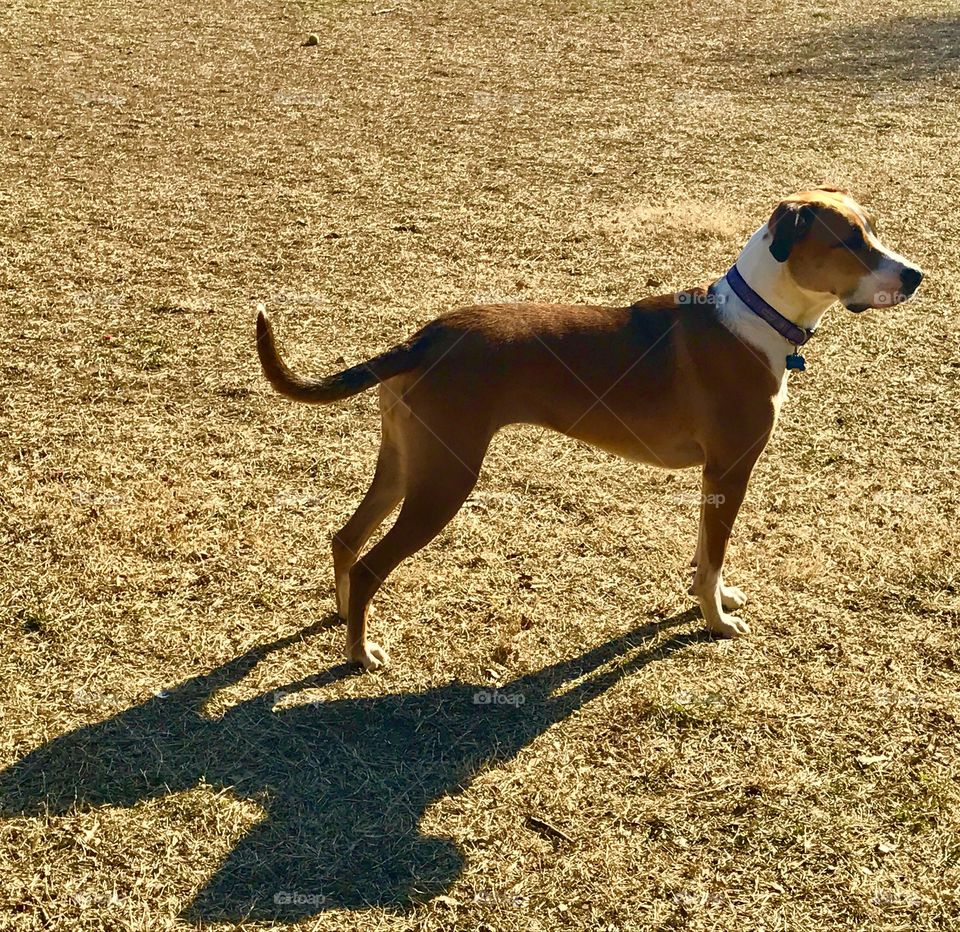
{"x": 830, "y": 246}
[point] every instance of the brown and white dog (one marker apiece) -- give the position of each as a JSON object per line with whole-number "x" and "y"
{"x": 688, "y": 379}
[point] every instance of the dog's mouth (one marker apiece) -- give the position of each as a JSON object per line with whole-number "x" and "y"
{"x": 881, "y": 300}
{"x": 895, "y": 292}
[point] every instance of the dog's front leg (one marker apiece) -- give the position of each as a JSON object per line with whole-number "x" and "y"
{"x": 723, "y": 492}
{"x": 731, "y": 598}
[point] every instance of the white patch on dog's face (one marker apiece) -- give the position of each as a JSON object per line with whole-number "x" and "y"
{"x": 892, "y": 278}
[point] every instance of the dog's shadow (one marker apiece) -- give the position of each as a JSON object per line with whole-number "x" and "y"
{"x": 343, "y": 783}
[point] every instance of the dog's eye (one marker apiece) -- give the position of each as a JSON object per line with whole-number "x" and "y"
{"x": 854, "y": 241}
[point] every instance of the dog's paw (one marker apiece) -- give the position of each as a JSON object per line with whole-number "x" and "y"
{"x": 732, "y": 598}
{"x": 729, "y": 626}
{"x": 370, "y": 656}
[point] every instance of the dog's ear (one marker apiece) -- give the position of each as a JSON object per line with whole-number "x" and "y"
{"x": 789, "y": 223}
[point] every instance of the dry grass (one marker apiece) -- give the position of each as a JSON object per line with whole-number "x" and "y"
{"x": 179, "y": 743}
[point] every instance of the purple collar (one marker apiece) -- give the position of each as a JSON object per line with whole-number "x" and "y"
{"x": 786, "y": 328}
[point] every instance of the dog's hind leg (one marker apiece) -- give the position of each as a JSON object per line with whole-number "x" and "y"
{"x": 384, "y": 494}
{"x": 441, "y": 472}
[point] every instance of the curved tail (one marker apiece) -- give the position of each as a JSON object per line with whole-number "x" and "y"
{"x": 333, "y": 387}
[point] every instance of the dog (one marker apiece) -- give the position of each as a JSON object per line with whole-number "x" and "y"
{"x": 695, "y": 378}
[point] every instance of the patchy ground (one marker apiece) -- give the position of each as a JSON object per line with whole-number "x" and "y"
{"x": 556, "y": 744}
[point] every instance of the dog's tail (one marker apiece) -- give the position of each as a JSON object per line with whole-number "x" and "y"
{"x": 332, "y": 388}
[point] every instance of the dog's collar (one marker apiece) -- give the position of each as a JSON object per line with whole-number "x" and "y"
{"x": 790, "y": 331}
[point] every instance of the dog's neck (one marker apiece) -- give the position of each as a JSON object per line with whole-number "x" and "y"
{"x": 774, "y": 283}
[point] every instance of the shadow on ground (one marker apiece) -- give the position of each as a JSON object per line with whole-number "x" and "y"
{"x": 909, "y": 48}
{"x": 896, "y": 50}
{"x": 344, "y": 783}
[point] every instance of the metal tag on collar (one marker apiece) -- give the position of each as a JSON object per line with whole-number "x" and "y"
{"x": 796, "y": 361}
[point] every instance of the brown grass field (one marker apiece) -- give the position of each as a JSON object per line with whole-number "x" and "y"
{"x": 180, "y": 746}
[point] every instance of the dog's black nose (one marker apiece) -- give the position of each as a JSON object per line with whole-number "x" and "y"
{"x": 910, "y": 279}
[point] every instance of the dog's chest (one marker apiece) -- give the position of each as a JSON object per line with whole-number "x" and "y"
{"x": 780, "y": 397}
